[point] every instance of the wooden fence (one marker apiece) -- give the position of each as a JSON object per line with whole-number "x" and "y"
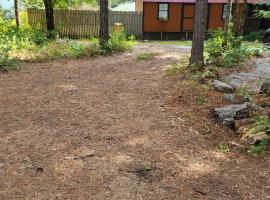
{"x": 85, "y": 23}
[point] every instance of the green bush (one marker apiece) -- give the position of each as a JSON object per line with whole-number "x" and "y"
{"x": 7, "y": 63}
{"x": 224, "y": 55}
{"x": 253, "y": 36}
{"x": 118, "y": 41}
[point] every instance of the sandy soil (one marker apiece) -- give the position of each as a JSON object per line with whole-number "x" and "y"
{"x": 117, "y": 128}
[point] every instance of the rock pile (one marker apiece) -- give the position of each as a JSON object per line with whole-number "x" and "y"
{"x": 238, "y": 115}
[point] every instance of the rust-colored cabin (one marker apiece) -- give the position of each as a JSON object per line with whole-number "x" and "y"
{"x": 173, "y": 19}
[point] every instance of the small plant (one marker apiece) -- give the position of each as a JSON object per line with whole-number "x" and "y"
{"x": 177, "y": 67}
{"x": 262, "y": 123}
{"x": 146, "y": 56}
{"x": 8, "y": 64}
{"x": 224, "y": 147}
{"x": 253, "y": 36}
{"x": 200, "y": 100}
{"x": 245, "y": 93}
{"x": 147, "y": 168}
{"x": 221, "y": 55}
{"x": 260, "y": 147}
{"x": 118, "y": 42}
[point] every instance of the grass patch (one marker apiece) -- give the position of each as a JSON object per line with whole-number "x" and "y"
{"x": 177, "y": 67}
{"x": 200, "y": 100}
{"x": 146, "y": 56}
{"x": 179, "y": 43}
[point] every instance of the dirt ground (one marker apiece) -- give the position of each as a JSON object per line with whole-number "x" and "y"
{"x": 117, "y": 128}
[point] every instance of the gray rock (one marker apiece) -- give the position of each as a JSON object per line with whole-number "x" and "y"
{"x": 255, "y": 138}
{"x": 232, "y": 112}
{"x": 222, "y": 87}
{"x": 265, "y": 89}
{"x": 229, "y": 97}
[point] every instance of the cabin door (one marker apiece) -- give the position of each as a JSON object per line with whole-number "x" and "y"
{"x": 187, "y": 15}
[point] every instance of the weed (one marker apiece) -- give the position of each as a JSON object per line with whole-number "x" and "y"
{"x": 253, "y": 36}
{"x": 224, "y": 147}
{"x": 262, "y": 123}
{"x": 200, "y": 100}
{"x": 221, "y": 55}
{"x": 245, "y": 93}
{"x": 7, "y": 63}
{"x": 147, "y": 168}
{"x": 177, "y": 67}
{"x": 146, "y": 56}
{"x": 261, "y": 147}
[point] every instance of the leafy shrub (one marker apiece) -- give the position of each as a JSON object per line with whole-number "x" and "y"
{"x": 118, "y": 41}
{"x": 7, "y": 64}
{"x": 221, "y": 55}
{"x": 253, "y": 36}
{"x": 259, "y": 147}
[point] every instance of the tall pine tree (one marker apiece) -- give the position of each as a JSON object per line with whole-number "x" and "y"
{"x": 199, "y": 32}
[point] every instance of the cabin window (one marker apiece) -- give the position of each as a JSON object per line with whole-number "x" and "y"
{"x": 224, "y": 11}
{"x": 163, "y": 11}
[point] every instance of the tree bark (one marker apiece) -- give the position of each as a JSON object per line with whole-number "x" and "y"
{"x": 199, "y": 32}
{"x": 104, "y": 22}
{"x": 49, "y": 17}
{"x": 243, "y": 18}
{"x": 227, "y": 21}
{"x": 16, "y": 10}
{"x": 235, "y": 12}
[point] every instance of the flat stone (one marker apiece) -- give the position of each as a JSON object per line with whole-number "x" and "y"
{"x": 265, "y": 89}
{"x": 232, "y": 112}
{"x": 255, "y": 138}
{"x": 222, "y": 87}
{"x": 229, "y": 97}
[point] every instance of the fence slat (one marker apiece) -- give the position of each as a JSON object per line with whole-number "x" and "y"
{"x": 85, "y": 23}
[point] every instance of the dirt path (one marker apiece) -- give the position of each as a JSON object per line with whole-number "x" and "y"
{"x": 104, "y": 129}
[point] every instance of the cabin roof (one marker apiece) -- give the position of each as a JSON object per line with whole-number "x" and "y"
{"x": 209, "y": 1}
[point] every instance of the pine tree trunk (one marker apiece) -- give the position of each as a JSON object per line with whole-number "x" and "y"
{"x": 235, "y": 11}
{"x": 49, "y": 17}
{"x": 16, "y": 10}
{"x": 227, "y": 22}
{"x": 104, "y": 22}
{"x": 199, "y": 32}
{"x": 243, "y": 18}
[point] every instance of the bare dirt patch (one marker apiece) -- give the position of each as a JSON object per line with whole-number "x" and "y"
{"x": 117, "y": 128}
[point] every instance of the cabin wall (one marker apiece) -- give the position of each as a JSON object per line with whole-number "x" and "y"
{"x": 181, "y": 17}
{"x": 215, "y": 17}
{"x": 153, "y": 24}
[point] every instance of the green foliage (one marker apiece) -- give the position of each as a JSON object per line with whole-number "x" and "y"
{"x": 244, "y": 92}
{"x": 263, "y": 14}
{"x": 177, "y": 67}
{"x": 260, "y": 147}
{"x": 200, "y": 100}
{"x": 63, "y": 4}
{"x": 7, "y": 63}
{"x": 261, "y": 122}
{"x": 146, "y": 56}
{"x": 118, "y": 42}
{"x": 221, "y": 55}
{"x": 253, "y": 36}
{"x": 224, "y": 147}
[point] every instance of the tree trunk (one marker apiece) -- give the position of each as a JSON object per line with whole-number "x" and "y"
{"x": 49, "y": 17}
{"x": 227, "y": 21}
{"x": 16, "y": 10}
{"x": 104, "y": 22}
{"x": 199, "y": 32}
{"x": 243, "y": 18}
{"x": 235, "y": 13}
